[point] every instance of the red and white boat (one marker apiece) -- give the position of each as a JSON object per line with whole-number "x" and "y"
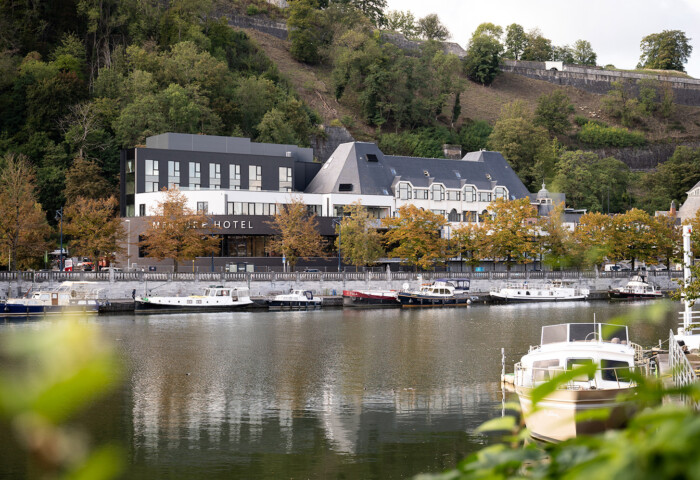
{"x": 370, "y": 298}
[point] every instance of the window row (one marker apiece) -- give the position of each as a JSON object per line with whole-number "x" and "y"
{"x": 195, "y": 176}
{"x": 438, "y": 192}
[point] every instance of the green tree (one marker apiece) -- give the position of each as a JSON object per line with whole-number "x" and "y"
{"x": 537, "y": 48}
{"x": 297, "y": 232}
{"x": 402, "y": 22}
{"x": 554, "y": 239}
{"x": 373, "y": 9}
{"x": 431, "y": 28}
{"x": 621, "y": 102}
{"x": 668, "y": 50}
{"x": 510, "y": 233}
{"x": 414, "y": 236}
{"x": 515, "y": 41}
{"x": 304, "y": 32}
{"x": 358, "y": 240}
{"x": 583, "y": 53}
{"x": 647, "y": 97}
{"x": 490, "y": 30}
{"x": 563, "y": 54}
{"x": 553, "y": 112}
{"x": 474, "y": 135}
{"x": 633, "y": 237}
{"x": 671, "y": 180}
{"x": 483, "y": 59}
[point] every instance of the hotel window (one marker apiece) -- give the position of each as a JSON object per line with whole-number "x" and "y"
{"x": 285, "y": 179}
{"x": 203, "y": 207}
{"x": 404, "y": 191}
{"x": 314, "y": 209}
{"x": 142, "y": 210}
{"x": 152, "y": 174}
{"x": 439, "y": 212}
{"x": 484, "y": 196}
{"x": 469, "y": 216}
{"x": 501, "y": 192}
{"x": 469, "y": 194}
{"x": 234, "y": 177}
{"x": 437, "y": 192}
{"x": 254, "y": 177}
{"x": 195, "y": 175}
{"x": 420, "y": 194}
{"x": 215, "y": 176}
{"x": 453, "y": 195}
{"x": 173, "y": 174}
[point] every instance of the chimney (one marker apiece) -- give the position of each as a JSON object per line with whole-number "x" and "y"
{"x": 672, "y": 211}
{"x": 453, "y": 152}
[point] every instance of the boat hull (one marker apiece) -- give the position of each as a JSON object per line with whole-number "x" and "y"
{"x": 154, "y": 307}
{"x": 498, "y": 297}
{"x": 617, "y": 295}
{"x": 293, "y": 305}
{"x": 357, "y": 299}
{"x": 556, "y": 418}
{"x": 18, "y": 309}
{"x": 414, "y": 300}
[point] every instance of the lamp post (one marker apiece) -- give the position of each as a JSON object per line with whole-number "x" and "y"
{"x": 338, "y": 221}
{"x": 59, "y": 216}
{"x": 128, "y": 244}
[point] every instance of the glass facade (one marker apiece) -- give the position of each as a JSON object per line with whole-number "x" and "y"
{"x": 152, "y": 174}
{"x": 215, "y": 176}
{"x": 195, "y": 175}
{"x": 254, "y": 177}
{"x": 234, "y": 177}
{"x": 245, "y": 246}
{"x": 173, "y": 174}
{"x": 285, "y": 179}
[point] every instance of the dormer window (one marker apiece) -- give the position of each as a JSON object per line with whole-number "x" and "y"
{"x": 404, "y": 191}
{"x": 437, "y": 192}
{"x": 345, "y": 187}
{"x": 372, "y": 157}
{"x": 501, "y": 192}
{"x": 469, "y": 194}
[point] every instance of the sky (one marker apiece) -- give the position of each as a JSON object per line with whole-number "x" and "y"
{"x": 614, "y": 27}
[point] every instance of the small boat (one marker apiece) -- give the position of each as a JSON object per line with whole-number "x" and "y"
{"x": 370, "y": 298}
{"x": 636, "y": 288}
{"x": 551, "y": 291}
{"x": 216, "y": 298}
{"x": 567, "y": 346}
{"x": 437, "y": 294}
{"x": 295, "y": 300}
{"x": 67, "y": 298}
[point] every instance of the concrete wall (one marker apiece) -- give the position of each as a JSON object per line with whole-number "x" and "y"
{"x": 597, "y": 80}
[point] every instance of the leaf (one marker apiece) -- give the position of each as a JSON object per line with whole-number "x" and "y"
{"x": 499, "y": 424}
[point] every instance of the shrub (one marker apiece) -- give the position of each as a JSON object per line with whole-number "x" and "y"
{"x": 252, "y": 10}
{"x": 601, "y": 136}
{"x": 581, "y": 121}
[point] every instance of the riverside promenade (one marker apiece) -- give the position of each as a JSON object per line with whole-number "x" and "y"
{"x": 120, "y": 285}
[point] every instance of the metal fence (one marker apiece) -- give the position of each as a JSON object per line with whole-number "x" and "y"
{"x": 140, "y": 276}
{"x": 681, "y": 370}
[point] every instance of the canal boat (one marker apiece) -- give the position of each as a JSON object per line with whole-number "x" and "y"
{"x": 638, "y": 288}
{"x": 563, "y": 347}
{"x": 67, "y": 298}
{"x": 216, "y": 298}
{"x": 294, "y": 300}
{"x": 370, "y": 298}
{"x": 550, "y": 291}
{"x": 436, "y": 294}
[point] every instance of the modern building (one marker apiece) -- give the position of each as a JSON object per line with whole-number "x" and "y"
{"x": 240, "y": 184}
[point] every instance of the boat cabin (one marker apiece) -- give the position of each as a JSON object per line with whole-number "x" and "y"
{"x": 461, "y": 285}
{"x": 437, "y": 289}
{"x": 221, "y": 291}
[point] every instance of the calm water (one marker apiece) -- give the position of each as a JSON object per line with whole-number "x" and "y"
{"x": 325, "y": 394}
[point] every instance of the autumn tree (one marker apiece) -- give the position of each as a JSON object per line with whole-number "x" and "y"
{"x": 23, "y": 227}
{"x": 633, "y": 237}
{"x": 592, "y": 238}
{"x": 554, "y": 238}
{"x": 414, "y": 236}
{"x": 469, "y": 241}
{"x": 510, "y": 231}
{"x": 358, "y": 240}
{"x": 176, "y": 232}
{"x": 668, "y": 239}
{"x": 297, "y": 232}
{"x": 94, "y": 227}
{"x": 86, "y": 179}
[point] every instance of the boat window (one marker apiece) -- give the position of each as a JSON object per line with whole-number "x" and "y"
{"x": 611, "y": 332}
{"x": 572, "y": 363}
{"x": 225, "y": 293}
{"x": 580, "y": 332}
{"x": 614, "y": 370}
{"x": 544, "y": 370}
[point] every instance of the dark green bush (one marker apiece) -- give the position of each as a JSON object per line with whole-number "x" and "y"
{"x": 601, "y": 136}
{"x": 581, "y": 121}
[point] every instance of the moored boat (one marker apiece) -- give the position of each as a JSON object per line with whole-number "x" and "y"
{"x": 216, "y": 298}
{"x": 551, "y": 291}
{"x": 567, "y": 346}
{"x": 436, "y": 294}
{"x": 295, "y": 300}
{"x": 637, "y": 288}
{"x": 68, "y": 297}
{"x": 370, "y": 298}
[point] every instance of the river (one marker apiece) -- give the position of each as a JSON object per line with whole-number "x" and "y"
{"x": 323, "y": 394}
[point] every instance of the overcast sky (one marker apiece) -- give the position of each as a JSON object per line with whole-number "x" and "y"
{"x": 614, "y": 27}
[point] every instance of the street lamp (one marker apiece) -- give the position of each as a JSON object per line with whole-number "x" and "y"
{"x": 59, "y": 216}
{"x": 128, "y": 244}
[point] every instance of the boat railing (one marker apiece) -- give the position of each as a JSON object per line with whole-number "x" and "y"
{"x": 682, "y": 371}
{"x": 534, "y": 376}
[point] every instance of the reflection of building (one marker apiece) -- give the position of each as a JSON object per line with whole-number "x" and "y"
{"x": 240, "y": 184}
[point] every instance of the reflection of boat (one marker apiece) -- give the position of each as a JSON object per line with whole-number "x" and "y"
{"x": 565, "y": 347}
{"x": 440, "y": 293}
{"x": 295, "y": 300}
{"x": 69, "y": 297}
{"x": 555, "y": 290}
{"x": 370, "y": 298}
{"x": 637, "y": 287}
{"x": 215, "y": 298}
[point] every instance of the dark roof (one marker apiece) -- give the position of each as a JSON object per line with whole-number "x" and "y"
{"x": 349, "y": 165}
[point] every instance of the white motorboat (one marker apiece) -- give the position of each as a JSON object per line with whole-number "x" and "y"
{"x": 440, "y": 293}
{"x": 68, "y": 297}
{"x": 215, "y": 298}
{"x": 550, "y": 291}
{"x": 295, "y": 300}
{"x": 565, "y": 347}
{"x": 637, "y": 288}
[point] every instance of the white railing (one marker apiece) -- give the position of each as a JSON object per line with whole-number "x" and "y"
{"x": 681, "y": 370}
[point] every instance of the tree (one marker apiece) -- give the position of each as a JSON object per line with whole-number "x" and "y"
{"x": 633, "y": 237}
{"x": 490, "y": 30}
{"x": 297, "y": 232}
{"x": 563, "y": 54}
{"x": 583, "y": 53}
{"x": 178, "y": 233}
{"x": 537, "y": 48}
{"x": 402, "y": 22}
{"x": 414, "y": 236}
{"x": 668, "y": 237}
{"x": 23, "y": 227}
{"x": 592, "y": 238}
{"x": 554, "y": 239}
{"x": 553, "y": 111}
{"x": 373, "y": 9}
{"x": 358, "y": 240}
{"x": 510, "y": 231}
{"x": 95, "y": 228}
{"x": 515, "y": 41}
{"x": 304, "y": 31}
{"x": 668, "y": 50}
{"x": 469, "y": 241}
{"x": 621, "y": 102}
{"x": 86, "y": 179}
{"x": 431, "y": 28}
{"x": 483, "y": 59}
